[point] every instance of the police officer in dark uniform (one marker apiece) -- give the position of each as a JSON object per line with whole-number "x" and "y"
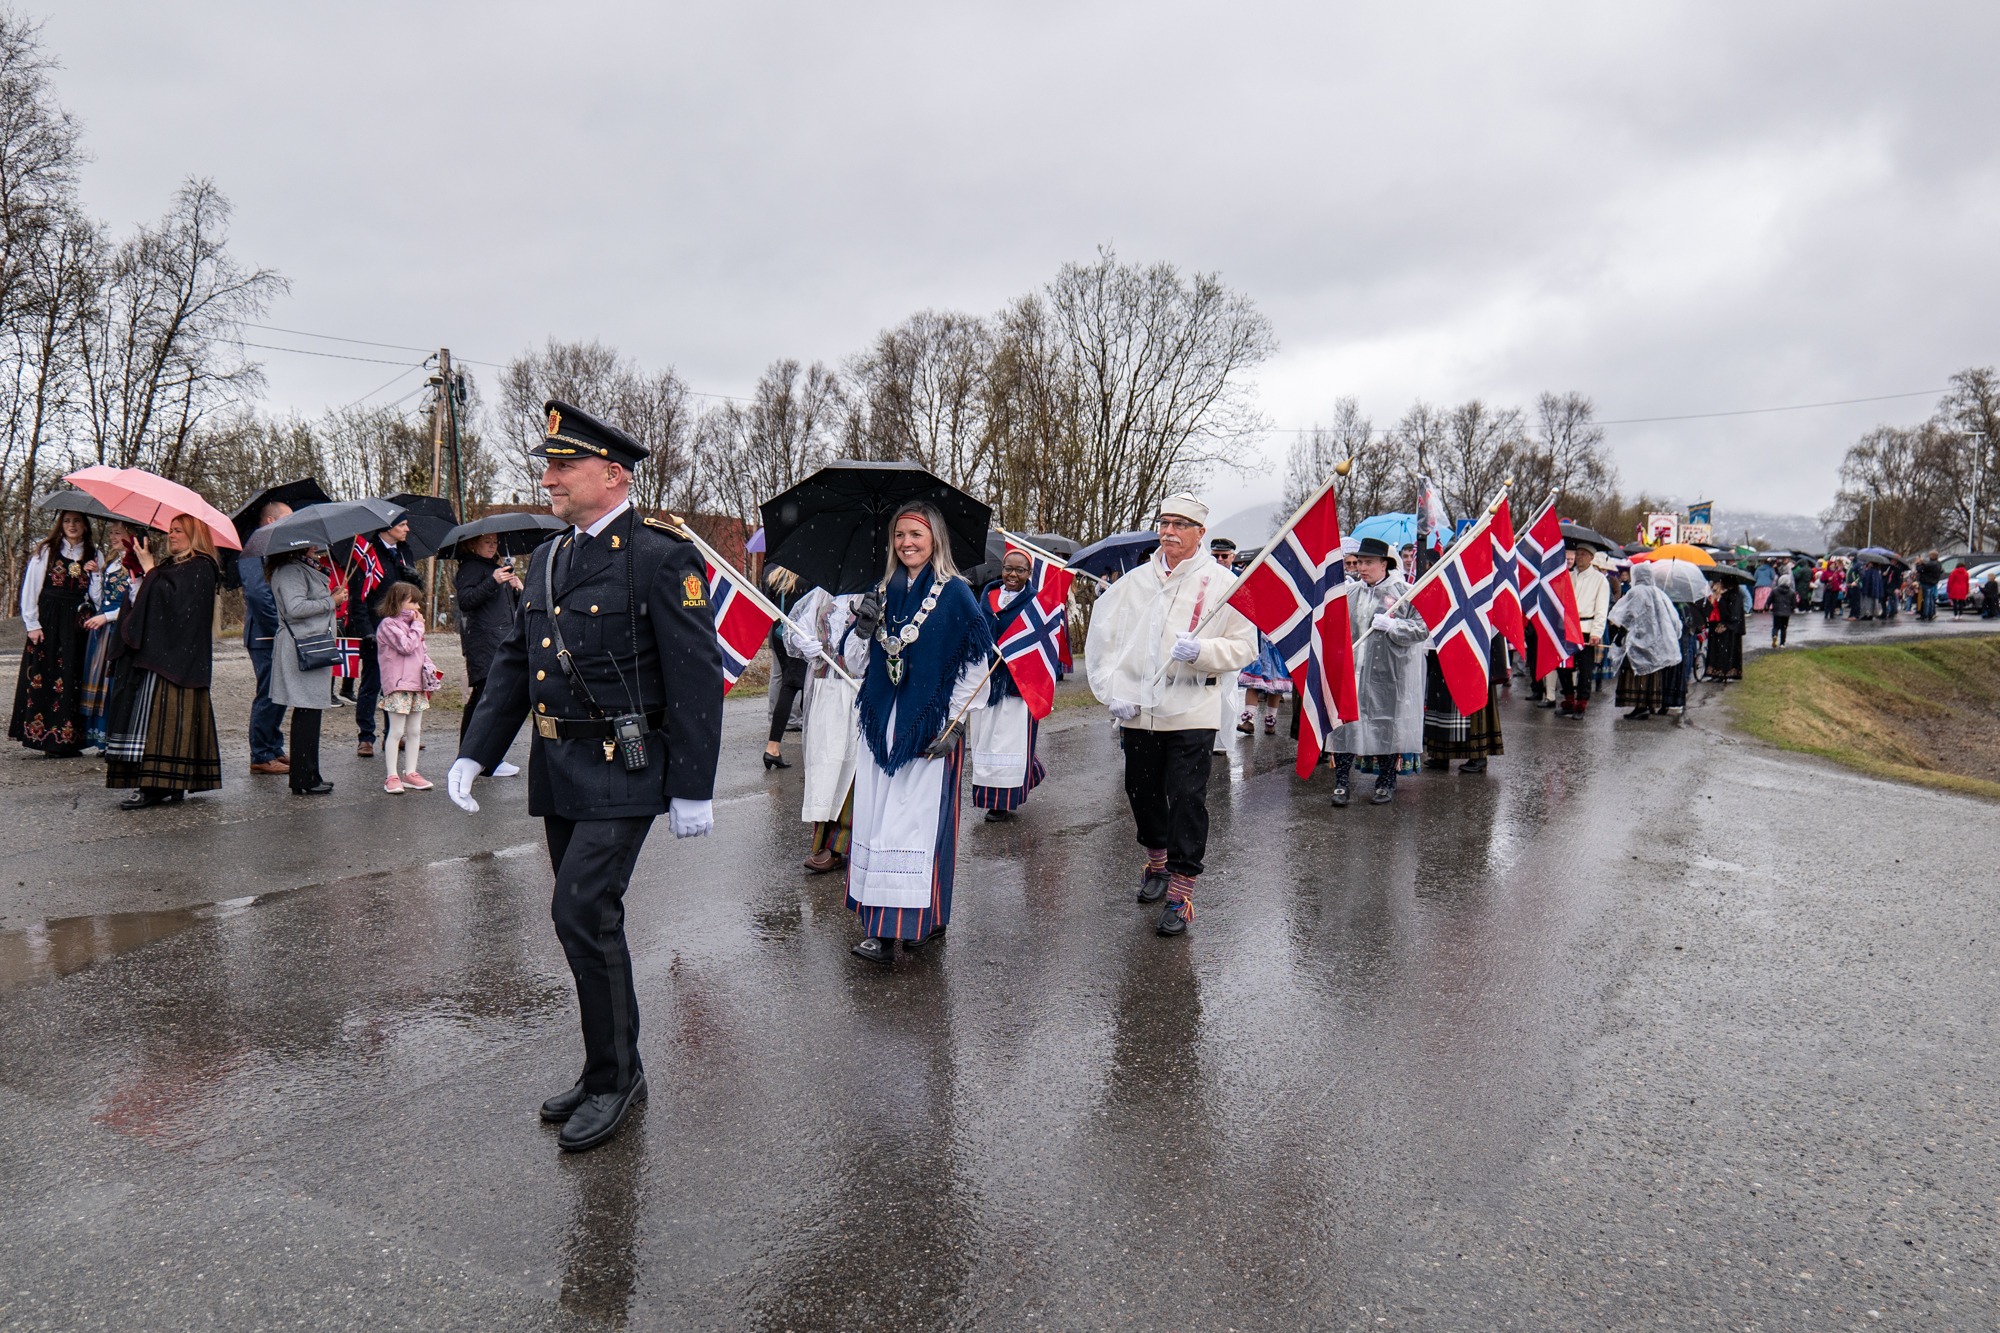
{"x": 614, "y": 658}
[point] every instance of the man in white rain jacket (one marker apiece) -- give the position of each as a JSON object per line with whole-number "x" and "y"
{"x": 1161, "y": 641}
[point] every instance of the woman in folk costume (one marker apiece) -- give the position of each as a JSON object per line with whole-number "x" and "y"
{"x": 1005, "y": 767}
{"x": 1385, "y": 736}
{"x": 920, "y": 646}
{"x": 114, "y": 586}
{"x": 161, "y": 729}
{"x": 1652, "y": 678}
{"x": 1450, "y": 734}
{"x": 55, "y": 600}
{"x": 832, "y": 730}
{"x": 1725, "y": 632}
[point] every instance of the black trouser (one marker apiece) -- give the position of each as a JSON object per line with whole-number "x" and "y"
{"x": 465, "y": 716}
{"x": 593, "y": 860}
{"x": 791, "y": 679}
{"x": 305, "y": 748}
{"x": 369, "y": 693}
{"x": 1166, "y": 780}
{"x": 1576, "y": 677}
{"x": 1778, "y": 626}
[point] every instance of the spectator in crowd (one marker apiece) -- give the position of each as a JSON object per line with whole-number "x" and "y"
{"x": 160, "y": 734}
{"x": 260, "y": 629}
{"x": 408, "y": 680}
{"x": 55, "y": 601}
{"x": 1958, "y": 588}
{"x": 374, "y": 564}
{"x": 489, "y": 594}
{"x": 1930, "y": 573}
{"x": 306, "y": 604}
{"x": 788, "y": 673}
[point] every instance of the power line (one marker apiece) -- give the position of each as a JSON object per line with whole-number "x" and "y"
{"x": 378, "y": 388}
{"x": 334, "y": 338}
{"x": 1685, "y": 416}
{"x": 332, "y": 356}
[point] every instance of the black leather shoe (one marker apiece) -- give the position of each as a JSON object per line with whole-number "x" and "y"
{"x": 563, "y": 1105}
{"x": 775, "y": 761}
{"x": 599, "y": 1117}
{"x": 1339, "y": 797}
{"x": 1473, "y": 766}
{"x": 1382, "y": 795}
{"x": 875, "y": 951}
{"x": 1152, "y": 886}
{"x": 149, "y": 796}
{"x": 1171, "y": 922}
{"x": 911, "y": 946}
{"x": 320, "y": 788}
{"x": 998, "y": 816}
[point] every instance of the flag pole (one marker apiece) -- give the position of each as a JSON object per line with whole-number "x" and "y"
{"x": 758, "y": 599}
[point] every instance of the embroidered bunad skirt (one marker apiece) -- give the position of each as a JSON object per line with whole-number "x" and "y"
{"x": 900, "y": 868}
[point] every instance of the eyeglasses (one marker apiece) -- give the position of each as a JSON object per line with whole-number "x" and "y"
{"x": 1178, "y": 524}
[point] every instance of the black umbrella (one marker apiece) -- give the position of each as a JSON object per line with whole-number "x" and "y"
{"x": 832, "y": 529}
{"x": 1053, "y": 542}
{"x": 518, "y": 533}
{"x": 324, "y": 526}
{"x": 431, "y": 517}
{"x": 1582, "y": 536}
{"x": 298, "y": 494}
{"x": 76, "y": 502}
{"x": 1116, "y": 554}
{"x": 988, "y": 569}
{"x": 1730, "y": 572}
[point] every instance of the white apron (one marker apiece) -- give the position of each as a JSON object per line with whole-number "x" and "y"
{"x": 832, "y": 738}
{"x": 896, "y": 830}
{"x": 999, "y": 738}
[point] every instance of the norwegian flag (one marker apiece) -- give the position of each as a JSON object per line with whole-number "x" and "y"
{"x": 1031, "y": 645}
{"x": 740, "y": 623}
{"x": 1296, "y": 593}
{"x": 372, "y": 572}
{"x": 1454, "y": 605}
{"x": 1548, "y": 600}
{"x": 1505, "y": 609}
{"x": 349, "y": 665}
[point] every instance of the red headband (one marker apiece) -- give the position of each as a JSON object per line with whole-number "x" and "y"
{"x": 914, "y": 516}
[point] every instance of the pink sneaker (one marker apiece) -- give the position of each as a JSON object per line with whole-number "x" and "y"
{"x": 393, "y": 785}
{"x": 416, "y": 782}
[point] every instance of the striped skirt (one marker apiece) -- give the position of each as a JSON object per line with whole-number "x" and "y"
{"x": 908, "y": 891}
{"x": 161, "y": 735}
{"x": 1450, "y": 734}
{"x": 1013, "y": 798}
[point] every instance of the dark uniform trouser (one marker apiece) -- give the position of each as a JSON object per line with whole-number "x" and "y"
{"x": 593, "y": 860}
{"x": 1166, "y": 780}
{"x": 1575, "y": 678}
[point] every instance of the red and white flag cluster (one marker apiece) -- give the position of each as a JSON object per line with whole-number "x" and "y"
{"x": 1035, "y": 644}
{"x": 1491, "y": 583}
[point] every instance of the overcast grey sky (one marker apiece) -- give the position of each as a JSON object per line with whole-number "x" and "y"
{"x": 1674, "y": 208}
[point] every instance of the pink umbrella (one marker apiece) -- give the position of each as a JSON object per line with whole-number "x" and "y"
{"x": 134, "y": 493}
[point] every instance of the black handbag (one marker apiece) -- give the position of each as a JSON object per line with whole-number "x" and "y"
{"x": 321, "y": 650}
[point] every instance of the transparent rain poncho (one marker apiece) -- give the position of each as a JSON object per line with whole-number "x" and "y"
{"x": 1652, "y": 626}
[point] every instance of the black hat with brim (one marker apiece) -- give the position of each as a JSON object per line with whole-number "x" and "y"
{"x": 574, "y": 433}
{"x": 1376, "y": 547}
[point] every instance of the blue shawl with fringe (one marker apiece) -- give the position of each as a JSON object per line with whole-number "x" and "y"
{"x": 954, "y": 634}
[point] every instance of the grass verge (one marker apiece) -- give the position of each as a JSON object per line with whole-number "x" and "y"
{"x": 1925, "y": 711}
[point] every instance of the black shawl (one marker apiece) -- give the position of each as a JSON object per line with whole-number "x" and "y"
{"x": 169, "y": 628}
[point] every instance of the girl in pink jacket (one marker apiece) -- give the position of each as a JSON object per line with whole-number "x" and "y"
{"x": 408, "y": 678}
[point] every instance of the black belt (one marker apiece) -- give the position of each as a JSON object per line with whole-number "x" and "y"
{"x": 587, "y": 728}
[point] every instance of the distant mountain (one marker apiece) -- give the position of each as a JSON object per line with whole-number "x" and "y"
{"x": 1249, "y": 527}
{"x": 1792, "y": 532}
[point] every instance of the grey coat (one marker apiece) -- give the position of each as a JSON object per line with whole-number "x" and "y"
{"x": 305, "y": 610}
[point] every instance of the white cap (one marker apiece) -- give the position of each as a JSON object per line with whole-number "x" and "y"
{"x": 1184, "y": 505}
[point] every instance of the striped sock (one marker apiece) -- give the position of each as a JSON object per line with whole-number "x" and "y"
{"x": 1156, "y": 860}
{"x": 1180, "y": 895}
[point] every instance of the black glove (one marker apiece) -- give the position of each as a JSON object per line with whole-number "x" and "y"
{"x": 868, "y": 614}
{"x": 946, "y": 740}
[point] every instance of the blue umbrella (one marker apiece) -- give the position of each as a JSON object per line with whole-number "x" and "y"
{"x": 1115, "y": 554}
{"x": 1397, "y": 530}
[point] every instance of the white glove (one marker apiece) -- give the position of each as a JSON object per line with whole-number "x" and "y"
{"x": 1383, "y": 621}
{"x": 1186, "y": 648}
{"x": 1123, "y": 711}
{"x": 458, "y": 784}
{"x": 690, "y": 819}
{"x": 814, "y": 648}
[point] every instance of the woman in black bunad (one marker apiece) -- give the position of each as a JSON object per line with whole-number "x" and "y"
{"x": 55, "y": 600}
{"x": 161, "y": 729}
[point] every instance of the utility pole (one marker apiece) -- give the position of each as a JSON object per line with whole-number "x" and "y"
{"x": 440, "y": 410}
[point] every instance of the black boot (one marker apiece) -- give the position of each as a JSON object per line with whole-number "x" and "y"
{"x": 1152, "y": 886}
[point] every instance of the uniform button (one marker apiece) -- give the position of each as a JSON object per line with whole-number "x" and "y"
{"x": 541, "y": 708}
{"x": 593, "y": 610}
{"x": 545, "y": 643}
{"x": 559, "y": 610}
{"x": 541, "y": 675}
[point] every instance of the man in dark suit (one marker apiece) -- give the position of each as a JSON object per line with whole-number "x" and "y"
{"x": 614, "y": 657}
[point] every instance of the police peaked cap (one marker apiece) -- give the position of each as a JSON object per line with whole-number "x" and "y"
{"x": 574, "y": 433}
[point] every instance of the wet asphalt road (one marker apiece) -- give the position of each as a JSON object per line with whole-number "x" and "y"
{"x": 1650, "y": 1026}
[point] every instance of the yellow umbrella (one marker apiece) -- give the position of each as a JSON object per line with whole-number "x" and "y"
{"x": 1694, "y": 555}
